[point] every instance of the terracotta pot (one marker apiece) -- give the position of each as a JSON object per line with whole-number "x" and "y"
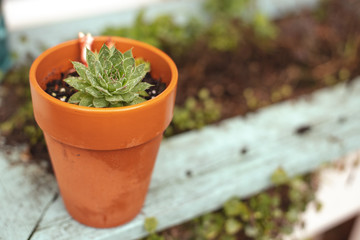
{"x": 102, "y": 158}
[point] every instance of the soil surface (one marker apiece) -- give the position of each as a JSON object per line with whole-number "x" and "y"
{"x": 59, "y": 89}
{"x": 314, "y": 49}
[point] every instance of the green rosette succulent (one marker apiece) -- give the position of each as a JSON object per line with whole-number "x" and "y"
{"x": 111, "y": 79}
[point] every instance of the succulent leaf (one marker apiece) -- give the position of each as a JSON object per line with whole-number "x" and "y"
{"x": 128, "y": 97}
{"x": 92, "y": 79}
{"x": 116, "y": 58}
{"x": 128, "y": 54}
{"x": 104, "y": 91}
{"x": 114, "y": 99}
{"x": 76, "y": 97}
{"x": 77, "y": 83}
{"x": 104, "y": 54}
{"x": 107, "y": 64}
{"x": 102, "y": 81}
{"x": 112, "y": 79}
{"x": 86, "y": 100}
{"x": 116, "y": 104}
{"x": 98, "y": 68}
{"x": 135, "y": 77}
{"x": 139, "y": 61}
{"x": 137, "y": 100}
{"x": 100, "y": 103}
{"x": 93, "y": 92}
{"x": 80, "y": 69}
{"x": 141, "y": 87}
{"x": 91, "y": 59}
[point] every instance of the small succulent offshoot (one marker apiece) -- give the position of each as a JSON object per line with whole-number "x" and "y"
{"x": 85, "y": 42}
{"x": 111, "y": 79}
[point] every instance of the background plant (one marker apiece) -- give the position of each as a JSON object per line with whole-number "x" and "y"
{"x": 271, "y": 214}
{"x": 235, "y": 21}
{"x": 162, "y": 32}
{"x": 267, "y": 215}
{"x": 21, "y": 120}
{"x": 196, "y": 113}
{"x": 221, "y": 27}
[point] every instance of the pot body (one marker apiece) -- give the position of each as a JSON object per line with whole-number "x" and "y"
{"x": 102, "y": 158}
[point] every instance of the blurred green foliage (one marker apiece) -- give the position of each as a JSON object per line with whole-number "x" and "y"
{"x": 21, "y": 121}
{"x": 231, "y": 9}
{"x": 264, "y": 28}
{"x": 223, "y": 30}
{"x": 150, "y": 226}
{"x": 196, "y": 113}
{"x": 162, "y": 32}
{"x": 270, "y": 214}
{"x": 267, "y": 215}
{"x": 233, "y": 20}
{"x": 223, "y": 36}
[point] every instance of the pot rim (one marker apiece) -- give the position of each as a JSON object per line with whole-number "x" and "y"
{"x": 172, "y": 84}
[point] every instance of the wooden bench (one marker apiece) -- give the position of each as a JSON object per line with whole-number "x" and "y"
{"x": 198, "y": 171}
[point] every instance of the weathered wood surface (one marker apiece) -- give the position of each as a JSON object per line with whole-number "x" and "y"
{"x": 198, "y": 171}
{"x": 25, "y": 193}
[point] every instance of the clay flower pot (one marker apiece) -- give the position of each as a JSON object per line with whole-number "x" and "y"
{"x": 102, "y": 158}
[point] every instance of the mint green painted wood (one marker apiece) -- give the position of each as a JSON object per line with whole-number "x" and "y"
{"x": 218, "y": 168}
{"x": 26, "y": 190}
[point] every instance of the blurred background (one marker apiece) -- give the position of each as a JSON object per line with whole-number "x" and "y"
{"x": 234, "y": 57}
{"x": 51, "y": 22}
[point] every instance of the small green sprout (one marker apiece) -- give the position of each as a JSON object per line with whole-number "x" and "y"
{"x": 112, "y": 79}
{"x": 151, "y": 224}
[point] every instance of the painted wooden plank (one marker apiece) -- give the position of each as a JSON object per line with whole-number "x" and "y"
{"x": 198, "y": 171}
{"x": 26, "y": 190}
{"x": 339, "y": 194}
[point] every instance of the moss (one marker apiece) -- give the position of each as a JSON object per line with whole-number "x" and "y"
{"x": 195, "y": 114}
{"x": 21, "y": 121}
{"x": 270, "y": 214}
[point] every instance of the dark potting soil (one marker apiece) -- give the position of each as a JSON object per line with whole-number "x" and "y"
{"x": 157, "y": 86}
{"x": 313, "y": 49}
{"x": 61, "y": 90}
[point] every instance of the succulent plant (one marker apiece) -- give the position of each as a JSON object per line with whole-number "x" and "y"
{"x": 111, "y": 79}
